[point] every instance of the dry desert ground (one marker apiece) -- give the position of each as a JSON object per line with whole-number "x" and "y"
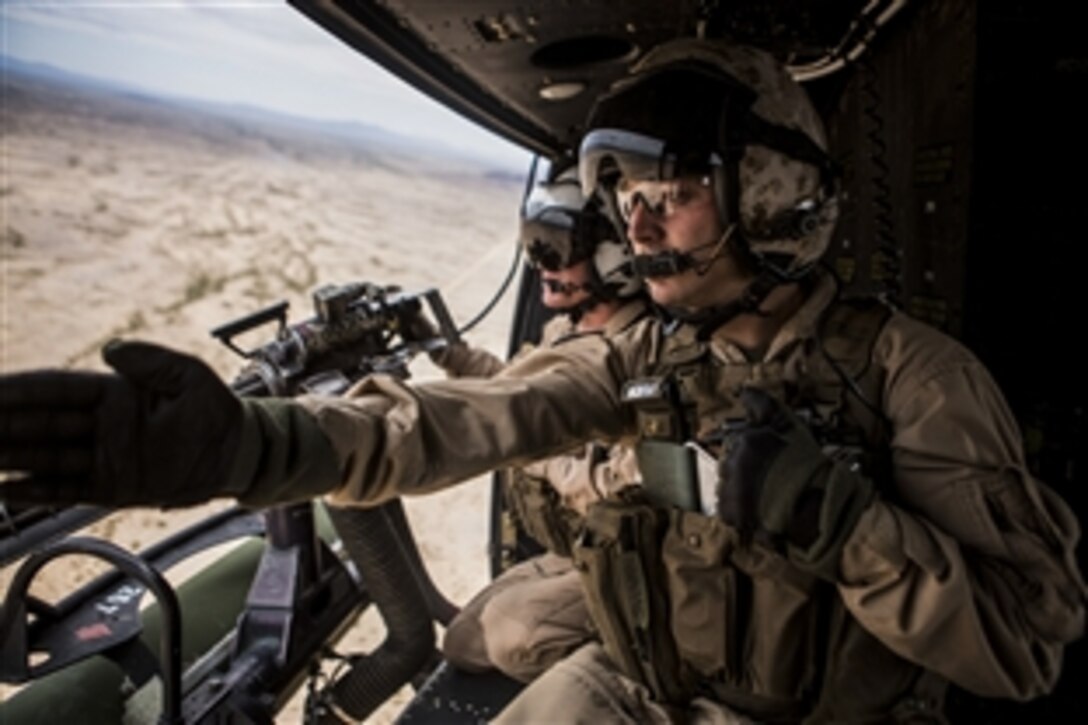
{"x": 128, "y": 217}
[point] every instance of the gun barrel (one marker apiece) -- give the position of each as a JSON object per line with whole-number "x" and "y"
{"x": 28, "y": 530}
{"x": 250, "y": 386}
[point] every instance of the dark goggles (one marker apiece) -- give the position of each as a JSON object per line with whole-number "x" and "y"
{"x": 556, "y": 239}
{"x": 547, "y": 240}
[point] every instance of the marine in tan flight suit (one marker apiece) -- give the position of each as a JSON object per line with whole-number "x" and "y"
{"x": 873, "y": 531}
{"x": 534, "y": 613}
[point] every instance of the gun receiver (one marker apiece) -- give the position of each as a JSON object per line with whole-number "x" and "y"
{"x": 351, "y": 334}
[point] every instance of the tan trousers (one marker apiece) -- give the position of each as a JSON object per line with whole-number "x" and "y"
{"x": 529, "y": 618}
{"x": 586, "y": 688}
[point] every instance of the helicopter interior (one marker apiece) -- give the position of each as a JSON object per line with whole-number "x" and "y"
{"x": 955, "y": 123}
{"x": 958, "y": 127}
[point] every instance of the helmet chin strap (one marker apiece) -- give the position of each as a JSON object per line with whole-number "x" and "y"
{"x": 672, "y": 262}
{"x": 565, "y": 288}
{"x": 578, "y": 309}
{"x": 747, "y": 303}
{"x": 701, "y": 268}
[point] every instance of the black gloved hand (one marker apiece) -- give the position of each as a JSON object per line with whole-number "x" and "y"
{"x": 163, "y": 431}
{"x": 776, "y": 479}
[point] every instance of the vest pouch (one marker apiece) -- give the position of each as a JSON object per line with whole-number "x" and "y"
{"x": 618, "y": 555}
{"x": 743, "y": 619}
{"x": 705, "y": 611}
{"x": 538, "y": 509}
{"x": 783, "y": 642}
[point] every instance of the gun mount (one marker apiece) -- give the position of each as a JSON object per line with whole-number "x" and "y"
{"x": 297, "y": 579}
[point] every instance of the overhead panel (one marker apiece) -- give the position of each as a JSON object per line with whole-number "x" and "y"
{"x": 531, "y": 70}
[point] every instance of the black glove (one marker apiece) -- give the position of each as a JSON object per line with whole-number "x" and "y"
{"x": 163, "y": 431}
{"x": 775, "y": 479}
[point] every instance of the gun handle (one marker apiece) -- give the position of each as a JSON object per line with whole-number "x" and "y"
{"x": 226, "y": 333}
{"x": 442, "y": 316}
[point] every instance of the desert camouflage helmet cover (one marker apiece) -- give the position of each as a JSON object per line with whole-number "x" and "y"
{"x": 559, "y": 229}
{"x": 786, "y": 205}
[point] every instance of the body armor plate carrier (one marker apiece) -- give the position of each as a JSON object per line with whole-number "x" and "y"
{"x": 682, "y": 607}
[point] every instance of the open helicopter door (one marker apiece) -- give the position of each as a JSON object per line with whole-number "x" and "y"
{"x": 508, "y": 542}
{"x": 451, "y": 696}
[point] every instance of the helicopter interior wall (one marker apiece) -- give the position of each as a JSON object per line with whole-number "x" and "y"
{"x": 956, "y": 137}
{"x": 1024, "y": 295}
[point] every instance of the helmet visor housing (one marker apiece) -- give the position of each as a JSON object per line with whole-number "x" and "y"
{"x": 548, "y": 239}
{"x": 558, "y": 229}
{"x": 659, "y": 126}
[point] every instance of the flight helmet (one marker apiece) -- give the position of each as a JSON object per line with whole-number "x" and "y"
{"x": 731, "y": 114}
{"x": 560, "y": 228}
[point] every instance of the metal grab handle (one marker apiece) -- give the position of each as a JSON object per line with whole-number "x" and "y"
{"x": 14, "y": 629}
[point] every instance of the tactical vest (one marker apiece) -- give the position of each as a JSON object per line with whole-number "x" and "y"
{"x": 682, "y": 607}
{"x": 535, "y": 505}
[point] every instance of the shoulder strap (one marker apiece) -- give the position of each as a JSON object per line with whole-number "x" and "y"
{"x": 843, "y": 377}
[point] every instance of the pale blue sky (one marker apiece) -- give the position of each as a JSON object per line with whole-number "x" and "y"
{"x": 257, "y": 52}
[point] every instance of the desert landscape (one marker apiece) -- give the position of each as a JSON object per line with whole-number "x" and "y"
{"x": 132, "y": 217}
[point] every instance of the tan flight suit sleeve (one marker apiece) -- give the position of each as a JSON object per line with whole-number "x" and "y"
{"x": 460, "y": 360}
{"x": 393, "y": 438}
{"x": 971, "y": 572}
{"x": 591, "y": 472}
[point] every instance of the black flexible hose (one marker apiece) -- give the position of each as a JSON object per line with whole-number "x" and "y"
{"x": 442, "y": 610}
{"x": 497, "y": 296}
{"x": 371, "y": 540}
{"x": 529, "y": 180}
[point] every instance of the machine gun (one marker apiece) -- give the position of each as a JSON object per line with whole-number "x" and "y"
{"x": 349, "y": 336}
{"x": 233, "y": 642}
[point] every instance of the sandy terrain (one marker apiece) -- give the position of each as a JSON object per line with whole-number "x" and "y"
{"x": 124, "y": 218}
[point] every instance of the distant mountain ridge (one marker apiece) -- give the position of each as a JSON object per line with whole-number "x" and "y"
{"x": 356, "y": 132}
